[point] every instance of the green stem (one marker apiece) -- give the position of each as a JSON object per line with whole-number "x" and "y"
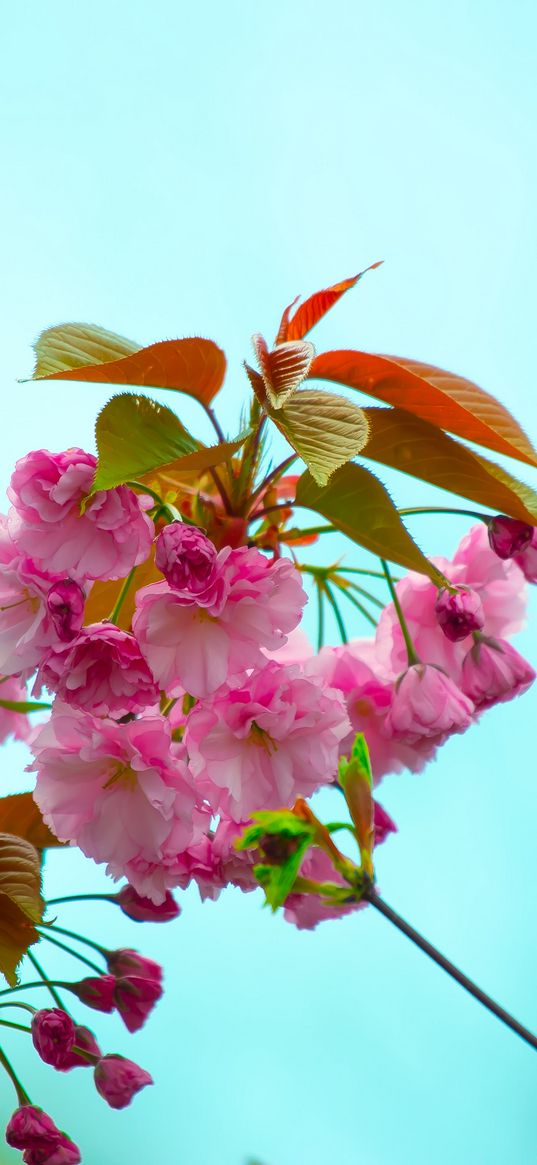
{"x": 444, "y": 510}
{"x": 146, "y": 489}
{"x": 226, "y": 501}
{"x": 80, "y": 938}
{"x": 25, "y": 1006}
{"x": 271, "y": 477}
{"x": 306, "y": 532}
{"x": 22, "y": 1095}
{"x": 362, "y": 591}
{"x": 168, "y": 705}
{"x": 339, "y": 620}
{"x": 359, "y": 606}
{"x": 48, "y": 983}
{"x": 113, "y": 616}
{"x": 18, "y": 1027}
{"x": 70, "y": 951}
{"x": 81, "y": 898}
{"x": 369, "y": 573}
{"x": 410, "y": 649}
{"x": 210, "y": 413}
{"x": 23, "y": 706}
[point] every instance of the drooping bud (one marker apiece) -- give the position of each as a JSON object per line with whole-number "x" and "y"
{"x": 97, "y": 992}
{"x": 65, "y": 1153}
{"x": 53, "y": 1035}
{"x": 117, "y": 1080}
{"x": 65, "y": 603}
{"x": 493, "y": 672}
{"x": 459, "y": 613}
{"x": 141, "y": 909}
{"x": 125, "y": 962}
{"x": 508, "y": 536}
{"x": 186, "y": 557}
{"x": 427, "y": 704}
{"x": 31, "y": 1128}
{"x": 135, "y": 998}
{"x": 85, "y": 1040}
{"x": 383, "y": 823}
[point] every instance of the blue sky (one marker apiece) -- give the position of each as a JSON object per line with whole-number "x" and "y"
{"x": 175, "y": 170}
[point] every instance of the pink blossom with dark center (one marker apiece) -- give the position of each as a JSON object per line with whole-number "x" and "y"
{"x": 102, "y": 671}
{"x": 187, "y": 559}
{"x": 126, "y": 962}
{"x": 493, "y": 672}
{"x": 459, "y": 613}
{"x": 65, "y": 603}
{"x": 117, "y": 1080}
{"x": 508, "y": 536}
{"x": 141, "y": 909}
{"x": 135, "y": 998}
{"x": 53, "y": 1034}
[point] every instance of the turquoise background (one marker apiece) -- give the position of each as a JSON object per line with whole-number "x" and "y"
{"x": 173, "y": 170}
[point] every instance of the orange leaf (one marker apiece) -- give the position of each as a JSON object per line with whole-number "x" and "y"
{"x": 283, "y": 369}
{"x": 195, "y": 366}
{"x": 404, "y": 442}
{"x": 20, "y": 815}
{"x": 442, "y": 398}
{"x": 314, "y": 308}
{"x": 21, "y": 904}
{"x": 103, "y": 595}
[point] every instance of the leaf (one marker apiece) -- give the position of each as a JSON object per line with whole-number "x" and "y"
{"x": 283, "y": 369}
{"x": 88, "y": 353}
{"x": 442, "y": 398}
{"x": 21, "y": 905}
{"x": 313, "y": 309}
{"x": 20, "y": 815}
{"x": 135, "y": 435}
{"x": 413, "y": 446}
{"x": 23, "y": 706}
{"x": 356, "y": 503}
{"x": 325, "y": 430}
{"x": 70, "y": 346}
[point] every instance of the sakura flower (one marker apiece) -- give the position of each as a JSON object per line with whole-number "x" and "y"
{"x": 214, "y": 863}
{"x": 197, "y": 643}
{"x": 305, "y": 911}
{"x": 187, "y": 559}
{"x": 427, "y": 703}
{"x": 135, "y": 997}
{"x": 126, "y": 962}
{"x": 117, "y": 1080}
{"x": 26, "y": 628}
{"x": 65, "y": 604}
{"x": 119, "y": 792}
{"x": 527, "y": 559}
{"x": 493, "y": 672}
{"x": 100, "y": 671}
{"x": 459, "y": 613}
{"x": 43, "y": 1143}
{"x": 508, "y": 536}
{"x": 13, "y": 723}
{"x": 262, "y": 745}
{"x": 96, "y": 991}
{"x": 112, "y": 535}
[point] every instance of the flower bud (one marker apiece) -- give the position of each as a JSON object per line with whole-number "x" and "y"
{"x": 65, "y": 1153}
{"x": 31, "y": 1128}
{"x": 459, "y": 613}
{"x": 135, "y": 998}
{"x": 53, "y": 1035}
{"x": 426, "y": 703}
{"x": 493, "y": 672}
{"x": 143, "y": 909}
{"x": 117, "y": 1080}
{"x": 97, "y": 993}
{"x": 85, "y": 1040}
{"x": 527, "y": 559}
{"x": 124, "y": 963}
{"x": 65, "y": 603}
{"x": 384, "y": 824}
{"x": 508, "y": 536}
{"x": 186, "y": 557}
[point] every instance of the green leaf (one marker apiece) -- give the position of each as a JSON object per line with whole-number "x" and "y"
{"x": 21, "y": 905}
{"x": 282, "y": 839}
{"x": 71, "y": 346}
{"x": 324, "y": 429}
{"x": 23, "y": 706}
{"x": 356, "y": 503}
{"x": 416, "y": 447}
{"x": 135, "y": 435}
{"x": 356, "y": 780}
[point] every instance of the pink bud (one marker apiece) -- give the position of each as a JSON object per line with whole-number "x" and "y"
{"x": 383, "y": 823}
{"x": 124, "y": 963}
{"x": 426, "y": 703}
{"x": 459, "y": 613}
{"x": 493, "y": 672}
{"x": 95, "y": 992}
{"x": 508, "y": 536}
{"x": 31, "y": 1128}
{"x": 65, "y": 602}
{"x": 117, "y": 1080}
{"x": 135, "y": 998}
{"x": 85, "y": 1040}
{"x": 527, "y": 559}
{"x": 65, "y": 1153}
{"x": 53, "y": 1035}
{"x": 143, "y": 909}
{"x": 186, "y": 557}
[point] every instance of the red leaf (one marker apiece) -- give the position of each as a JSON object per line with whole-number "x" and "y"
{"x": 442, "y": 398}
{"x": 313, "y": 309}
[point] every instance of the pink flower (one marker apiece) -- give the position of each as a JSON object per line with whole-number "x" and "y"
{"x": 196, "y": 647}
{"x": 31, "y": 1128}
{"x": 305, "y": 911}
{"x": 12, "y": 723}
{"x": 117, "y": 1080}
{"x": 141, "y": 909}
{"x": 508, "y": 536}
{"x": 85, "y": 1040}
{"x": 384, "y": 824}
{"x": 26, "y": 629}
{"x": 214, "y": 863}
{"x": 65, "y": 604}
{"x": 527, "y": 559}
{"x": 262, "y": 745}
{"x": 96, "y": 992}
{"x": 494, "y": 672}
{"x": 53, "y": 1034}
{"x": 427, "y": 703}
{"x": 187, "y": 559}
{"x": 459, "y": 613}
{"x": 125, "y": 962}
{"x": 101, "y": 671}
{"x": 65, "y": 1153}
{"x": 106, "y": 541}
{"x": 120, "y": 793}
{"x": 135, "y": 997}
